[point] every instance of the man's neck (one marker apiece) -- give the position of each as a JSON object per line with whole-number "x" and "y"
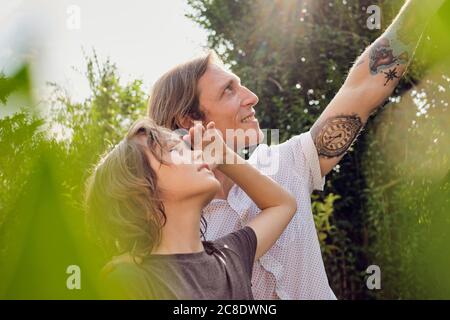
{"x": 225, "y": 185}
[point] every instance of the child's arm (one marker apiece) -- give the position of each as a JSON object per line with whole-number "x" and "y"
{"x": 277, "y": 205}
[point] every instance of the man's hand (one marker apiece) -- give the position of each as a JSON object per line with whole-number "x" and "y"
{"x": 370, "y": 82}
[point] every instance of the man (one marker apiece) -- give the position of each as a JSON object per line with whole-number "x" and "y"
{"x": 203, "y": 90}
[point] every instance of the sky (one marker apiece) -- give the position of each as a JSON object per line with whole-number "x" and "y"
{"x": 143, "y": 37}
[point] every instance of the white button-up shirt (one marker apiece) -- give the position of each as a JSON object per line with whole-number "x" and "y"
{"x": 293, "y": 268}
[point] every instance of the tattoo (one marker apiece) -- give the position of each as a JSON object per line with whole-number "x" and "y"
{"x": 397, "y": 45}
{"x": 391, "y": 75}
{"x": 382, "y": 56}
{"x": 335, "y": 135}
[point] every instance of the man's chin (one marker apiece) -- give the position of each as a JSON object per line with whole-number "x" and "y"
{"x": 252, "y": 137}
{"x": 260, "y": 134}
{"x": 260, "y": 137}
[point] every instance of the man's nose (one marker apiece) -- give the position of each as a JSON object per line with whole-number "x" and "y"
{"x": 250, "y": 99}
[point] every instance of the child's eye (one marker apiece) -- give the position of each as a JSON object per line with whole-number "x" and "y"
{"x": 174, "y": 148}
{"x": 180, "y": 147}
{"x": 187, "y": 144}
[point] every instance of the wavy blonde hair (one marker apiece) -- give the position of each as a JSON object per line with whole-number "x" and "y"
{"x": 175, "y": 95}
{"x": 124, "y": 208}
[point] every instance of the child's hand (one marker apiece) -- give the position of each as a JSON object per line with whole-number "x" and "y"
{"x": 209, "y": 143}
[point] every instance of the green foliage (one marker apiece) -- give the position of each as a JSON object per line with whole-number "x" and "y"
{"x": 407, "y": 168}
{"x": 20, "y": 81}
{"x": 323, "y": 212}
{"x": 20, "y": 139}
{"x": 44, "y": 164}
{"x": 94, "y": 125}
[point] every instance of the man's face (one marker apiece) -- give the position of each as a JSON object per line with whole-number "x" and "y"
{"x": 230, "y": 105}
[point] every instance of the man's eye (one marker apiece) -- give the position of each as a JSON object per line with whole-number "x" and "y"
{"x": 230, "y": 87}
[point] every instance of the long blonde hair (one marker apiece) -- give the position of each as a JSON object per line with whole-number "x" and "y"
{"x": 124, "y": 208}
{"x": 175, "y": 95}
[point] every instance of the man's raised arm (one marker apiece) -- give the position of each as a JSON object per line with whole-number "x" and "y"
{"x": 370, "y": 82}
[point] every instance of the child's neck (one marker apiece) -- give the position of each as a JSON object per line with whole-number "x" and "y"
{"x": 225, "y": 185}
{"x": 181, "y": 233}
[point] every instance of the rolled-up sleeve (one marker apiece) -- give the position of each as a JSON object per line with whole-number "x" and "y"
{"x": 306, "y": 159}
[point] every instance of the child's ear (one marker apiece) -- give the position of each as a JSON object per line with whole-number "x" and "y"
{"x": 185, "y": 122}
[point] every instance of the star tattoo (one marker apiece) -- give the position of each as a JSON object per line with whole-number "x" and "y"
{"x": 391, "y": 75}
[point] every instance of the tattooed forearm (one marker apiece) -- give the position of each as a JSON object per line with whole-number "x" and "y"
{"x": 396, "y": 46}
{"x": 333, "y": 136}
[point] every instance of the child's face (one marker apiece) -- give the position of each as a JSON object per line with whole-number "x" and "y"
{"x": 184, "y": 175}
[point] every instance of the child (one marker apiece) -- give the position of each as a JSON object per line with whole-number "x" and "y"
{"x": 145, "y": 200}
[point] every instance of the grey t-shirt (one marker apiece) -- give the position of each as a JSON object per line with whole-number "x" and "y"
{"x": 222, "y": 271}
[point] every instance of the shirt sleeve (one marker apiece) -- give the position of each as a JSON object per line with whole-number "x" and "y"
{"x": 243, "y": 242}
{"x": 310, "y": 157}
{"x": 125, "y": 282}
{"x": 297, "y": 155}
